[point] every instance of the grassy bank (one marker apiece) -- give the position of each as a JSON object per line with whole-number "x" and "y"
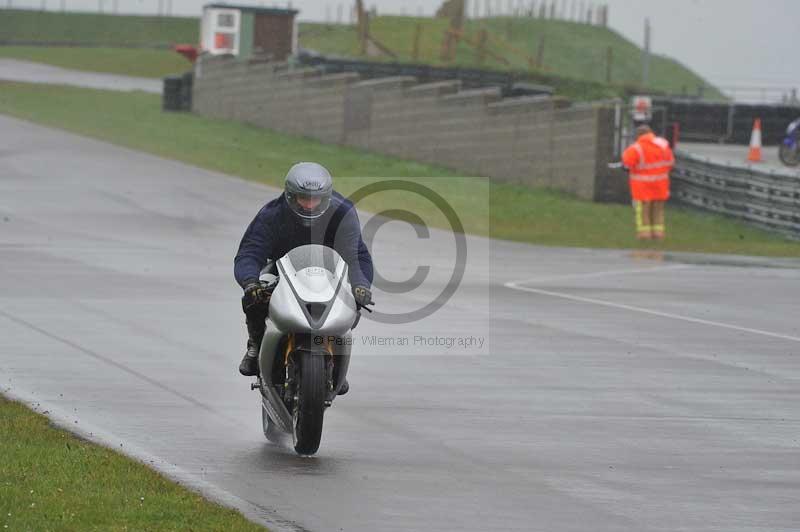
{"x": 513, "y": 212}
{"x": 18, "y": 25}
{"x": 51, "y": 480}
{"x": 571, "y": 51}
{"x": 574, "y": 55}
{"x": 125, "y": 61}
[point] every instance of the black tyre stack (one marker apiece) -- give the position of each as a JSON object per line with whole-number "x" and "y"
{"x": 171, "y": 97}
{"x": 186, "y": 91}
{"x": 177, "y": 94}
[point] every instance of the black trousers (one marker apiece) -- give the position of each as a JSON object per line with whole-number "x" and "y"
{"x": 256, "y": 317}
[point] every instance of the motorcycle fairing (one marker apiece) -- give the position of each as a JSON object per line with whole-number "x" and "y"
{"x": 313, "y": 294}
{"x": 314, "y": 290}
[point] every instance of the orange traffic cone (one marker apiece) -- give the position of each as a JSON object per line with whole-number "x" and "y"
{"x": 755, "y": 143}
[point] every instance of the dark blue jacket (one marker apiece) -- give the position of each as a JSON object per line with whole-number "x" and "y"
{"x": 276, "y": 230}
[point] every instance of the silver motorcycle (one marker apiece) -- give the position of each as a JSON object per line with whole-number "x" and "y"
{"x": 305, "y": 352}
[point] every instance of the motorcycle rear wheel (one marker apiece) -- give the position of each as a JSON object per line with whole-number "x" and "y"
{"x": 789, "y": 156}
{"x": 309, "y": 409}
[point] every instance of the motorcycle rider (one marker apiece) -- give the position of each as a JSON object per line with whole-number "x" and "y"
{"x": 308, "y": 211}
{"x": 789, "y": 150}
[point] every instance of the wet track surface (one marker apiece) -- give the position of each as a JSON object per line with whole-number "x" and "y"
{"x": 621, "y": 392}
{"x": 30, "y": 72}
{"x": 737, "y": 156}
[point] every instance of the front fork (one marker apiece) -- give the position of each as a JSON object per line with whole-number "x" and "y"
{"x": 337, "y": 353}
{"x": 293, "y": 346}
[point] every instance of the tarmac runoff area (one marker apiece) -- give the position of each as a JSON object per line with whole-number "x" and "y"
{"x": 614, "y": 391}
{"x": 737, "y": 156}
{"x": 30, "y": 72}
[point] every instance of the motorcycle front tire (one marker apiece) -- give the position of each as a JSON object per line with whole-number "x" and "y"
{"x": 310, "y": 407}
{"x": 790, "y": 156}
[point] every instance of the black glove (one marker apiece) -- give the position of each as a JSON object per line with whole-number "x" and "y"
{"x": 363, "y": 297}
{"x": 256, "y": 293}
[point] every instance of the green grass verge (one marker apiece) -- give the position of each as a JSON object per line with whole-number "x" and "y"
{"x": 52, "y": 480}
{"x": 513, "y": 212}
{"x": 92, "y": 28}
{"x": 125, "y": 61}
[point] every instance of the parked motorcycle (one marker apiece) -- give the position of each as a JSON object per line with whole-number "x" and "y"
{"x": 789, "y": 151}
{"x": 306, "y": 348}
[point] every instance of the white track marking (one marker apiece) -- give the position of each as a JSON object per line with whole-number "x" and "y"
{"x": 515, "y": 285}
{"x": 607, "y": 273}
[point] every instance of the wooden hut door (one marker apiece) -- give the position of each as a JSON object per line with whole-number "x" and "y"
{"x": 272, "y": 36}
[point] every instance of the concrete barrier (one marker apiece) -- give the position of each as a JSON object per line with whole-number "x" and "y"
{"x": 530, "y": 140}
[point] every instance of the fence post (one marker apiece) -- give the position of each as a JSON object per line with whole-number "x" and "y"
{"x": 540, "y": 53}
{"x": 364, "y": 34}
{"x": 482, "y": 36}
{"x": 363, "y": 26}
{"x": 447, "y": 44}
{"x": 415, "y": 46}
{"x": 532, "y": 58}
{"x": 646, "y": 54}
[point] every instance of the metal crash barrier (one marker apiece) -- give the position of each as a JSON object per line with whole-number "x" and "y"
{"x": 769, "y": 199}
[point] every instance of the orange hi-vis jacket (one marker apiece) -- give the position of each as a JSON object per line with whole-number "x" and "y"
{"x": 649, "y": 161}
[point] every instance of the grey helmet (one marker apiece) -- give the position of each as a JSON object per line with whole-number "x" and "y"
{"x": 307, "y": 181}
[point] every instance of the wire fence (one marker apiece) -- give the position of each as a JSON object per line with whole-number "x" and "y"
{"x": 158, "y": 8}
{"x": 579, "y": 11}
{"x": 769, "y": 199}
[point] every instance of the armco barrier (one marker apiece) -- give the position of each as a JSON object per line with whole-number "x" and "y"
{"x": 768, "y": 199}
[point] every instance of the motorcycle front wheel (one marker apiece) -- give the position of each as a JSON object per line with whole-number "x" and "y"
{"x": 789, "y": 155}
{"x": 309, "y": 408}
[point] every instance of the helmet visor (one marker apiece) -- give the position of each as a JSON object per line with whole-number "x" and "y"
{"x": 308, "y": 206}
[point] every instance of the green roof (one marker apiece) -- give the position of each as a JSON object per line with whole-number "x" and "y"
{"x": 255, "y": 9}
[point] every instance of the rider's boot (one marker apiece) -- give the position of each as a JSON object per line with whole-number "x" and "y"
{"x": 344, "y": 388}
{"x": 249, "y": 365}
